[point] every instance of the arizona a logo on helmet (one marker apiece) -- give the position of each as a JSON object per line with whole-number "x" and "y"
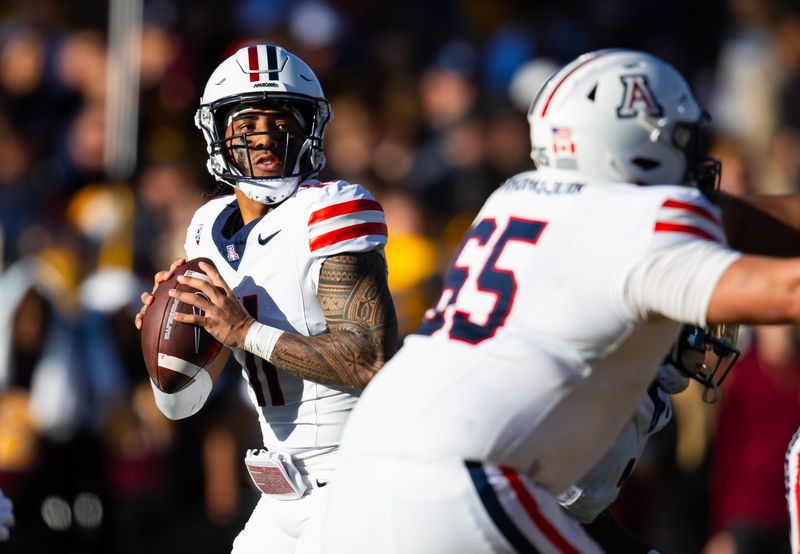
{"x": 637, "y": 96}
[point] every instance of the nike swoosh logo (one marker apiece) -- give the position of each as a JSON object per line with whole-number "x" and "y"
{"x": 263, "y": 241}
{"x": 321, "y": 484}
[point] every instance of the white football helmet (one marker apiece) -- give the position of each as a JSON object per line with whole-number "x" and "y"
{"x": 269, "y": 77}
{"x": 619, "y": 116}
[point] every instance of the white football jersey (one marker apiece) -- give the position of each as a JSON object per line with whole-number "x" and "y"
{"x": 273, "y": 265}
{"x": 557, "y": 310}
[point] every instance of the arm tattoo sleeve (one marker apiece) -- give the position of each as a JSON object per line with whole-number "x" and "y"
{"x": 362, "y": 325}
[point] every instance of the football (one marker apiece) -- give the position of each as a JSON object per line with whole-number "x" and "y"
{"x": 175, "y": 352}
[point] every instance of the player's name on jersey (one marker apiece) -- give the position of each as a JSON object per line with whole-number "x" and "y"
{"x": 542, "y": 187}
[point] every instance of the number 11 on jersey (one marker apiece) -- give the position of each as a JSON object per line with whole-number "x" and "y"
{"x": 269, "y": 371}
{"x": 481, "y": 284}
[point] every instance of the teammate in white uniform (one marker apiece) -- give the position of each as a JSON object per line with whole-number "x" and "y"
{"x": 299, "y": 293}
{"x": 706, "y": 356}
{"x": 566, "y": 292}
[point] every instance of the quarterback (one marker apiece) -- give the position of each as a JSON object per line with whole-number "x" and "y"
{"x": 555, "y": 314}
{"x": 299, "y": 294}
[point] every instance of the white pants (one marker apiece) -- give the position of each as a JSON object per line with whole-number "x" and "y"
{"x": 282, "y": 526}
{"x": 291, "y": 526}
{"x": 380, "y": 506}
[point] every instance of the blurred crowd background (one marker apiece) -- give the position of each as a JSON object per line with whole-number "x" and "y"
{"x": 429, "y": 104}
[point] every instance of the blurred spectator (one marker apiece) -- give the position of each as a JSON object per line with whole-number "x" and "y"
{"x": 759, "y": 413}
{"x": 169, "y": 195}
{"x": 786, "y": 143}
{"x": 16, "y": 200}
{"x": 350, "y": 139}
{"x": 748, "y": 78}
{"x": 412, "y": 259}
{"x": 80, "y": 64}
{"x": 43, "y": 401}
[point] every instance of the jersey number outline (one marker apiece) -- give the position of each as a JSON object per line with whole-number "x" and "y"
{"x": 250, "y": 303}
{"x": 491, "y": 279}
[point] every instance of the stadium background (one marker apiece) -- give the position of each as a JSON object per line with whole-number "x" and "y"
{"x": 429, "y": 101}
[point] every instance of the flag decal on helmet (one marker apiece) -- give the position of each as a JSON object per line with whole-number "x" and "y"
{"x": 562, "y": 141}
{"x": 638, "y": 96}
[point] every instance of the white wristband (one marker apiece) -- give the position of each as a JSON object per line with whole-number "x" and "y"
{"x": 261, "y": 339}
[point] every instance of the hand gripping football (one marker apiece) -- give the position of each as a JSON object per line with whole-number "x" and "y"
{"x": 175, "y": 352}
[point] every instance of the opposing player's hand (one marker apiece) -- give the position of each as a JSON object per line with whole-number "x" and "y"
{"x": 6, "y": 516}
{"x": 223, "y": 315}
{"x": 147, "y": 297}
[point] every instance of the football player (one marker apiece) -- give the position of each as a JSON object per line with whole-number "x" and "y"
{"x": 572, "y": 282}
{"x": 706, "y": 356}
{"x": 299, "y": 293}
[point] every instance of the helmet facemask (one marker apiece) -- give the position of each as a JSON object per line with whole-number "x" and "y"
{"x": 242, "y": 141}
{"x": 235, "y": 153}
{"x": 706, "y": 355}
{"x": 702, "y": 171}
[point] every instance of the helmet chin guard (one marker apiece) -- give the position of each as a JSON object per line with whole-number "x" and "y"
{"x": 264, "y": 76}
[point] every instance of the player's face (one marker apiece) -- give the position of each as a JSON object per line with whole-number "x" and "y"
{"x": 263, "y": 142}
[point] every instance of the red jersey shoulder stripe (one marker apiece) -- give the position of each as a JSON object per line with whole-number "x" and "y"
{"x": 664, "y": 226}
{"x": 694, "y": 208}
{"x": 347, "y": 233}
{"x": 351, "y": 206}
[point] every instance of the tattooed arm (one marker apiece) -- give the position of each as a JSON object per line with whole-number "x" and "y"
{"x": 362, "y": 325}
{"x": 354, "y": 295}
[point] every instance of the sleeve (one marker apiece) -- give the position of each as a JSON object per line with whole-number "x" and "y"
{"x": 187, "y": 401}
{"x": 687, "y": 255}
{"x": 688, "y": 216}
{"x": 345, "y": 219}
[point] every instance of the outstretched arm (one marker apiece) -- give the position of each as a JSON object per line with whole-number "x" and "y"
{"x": 355, "y": 299}
{"x": 760, "y": 224}
{"x": 757, "y": 290}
